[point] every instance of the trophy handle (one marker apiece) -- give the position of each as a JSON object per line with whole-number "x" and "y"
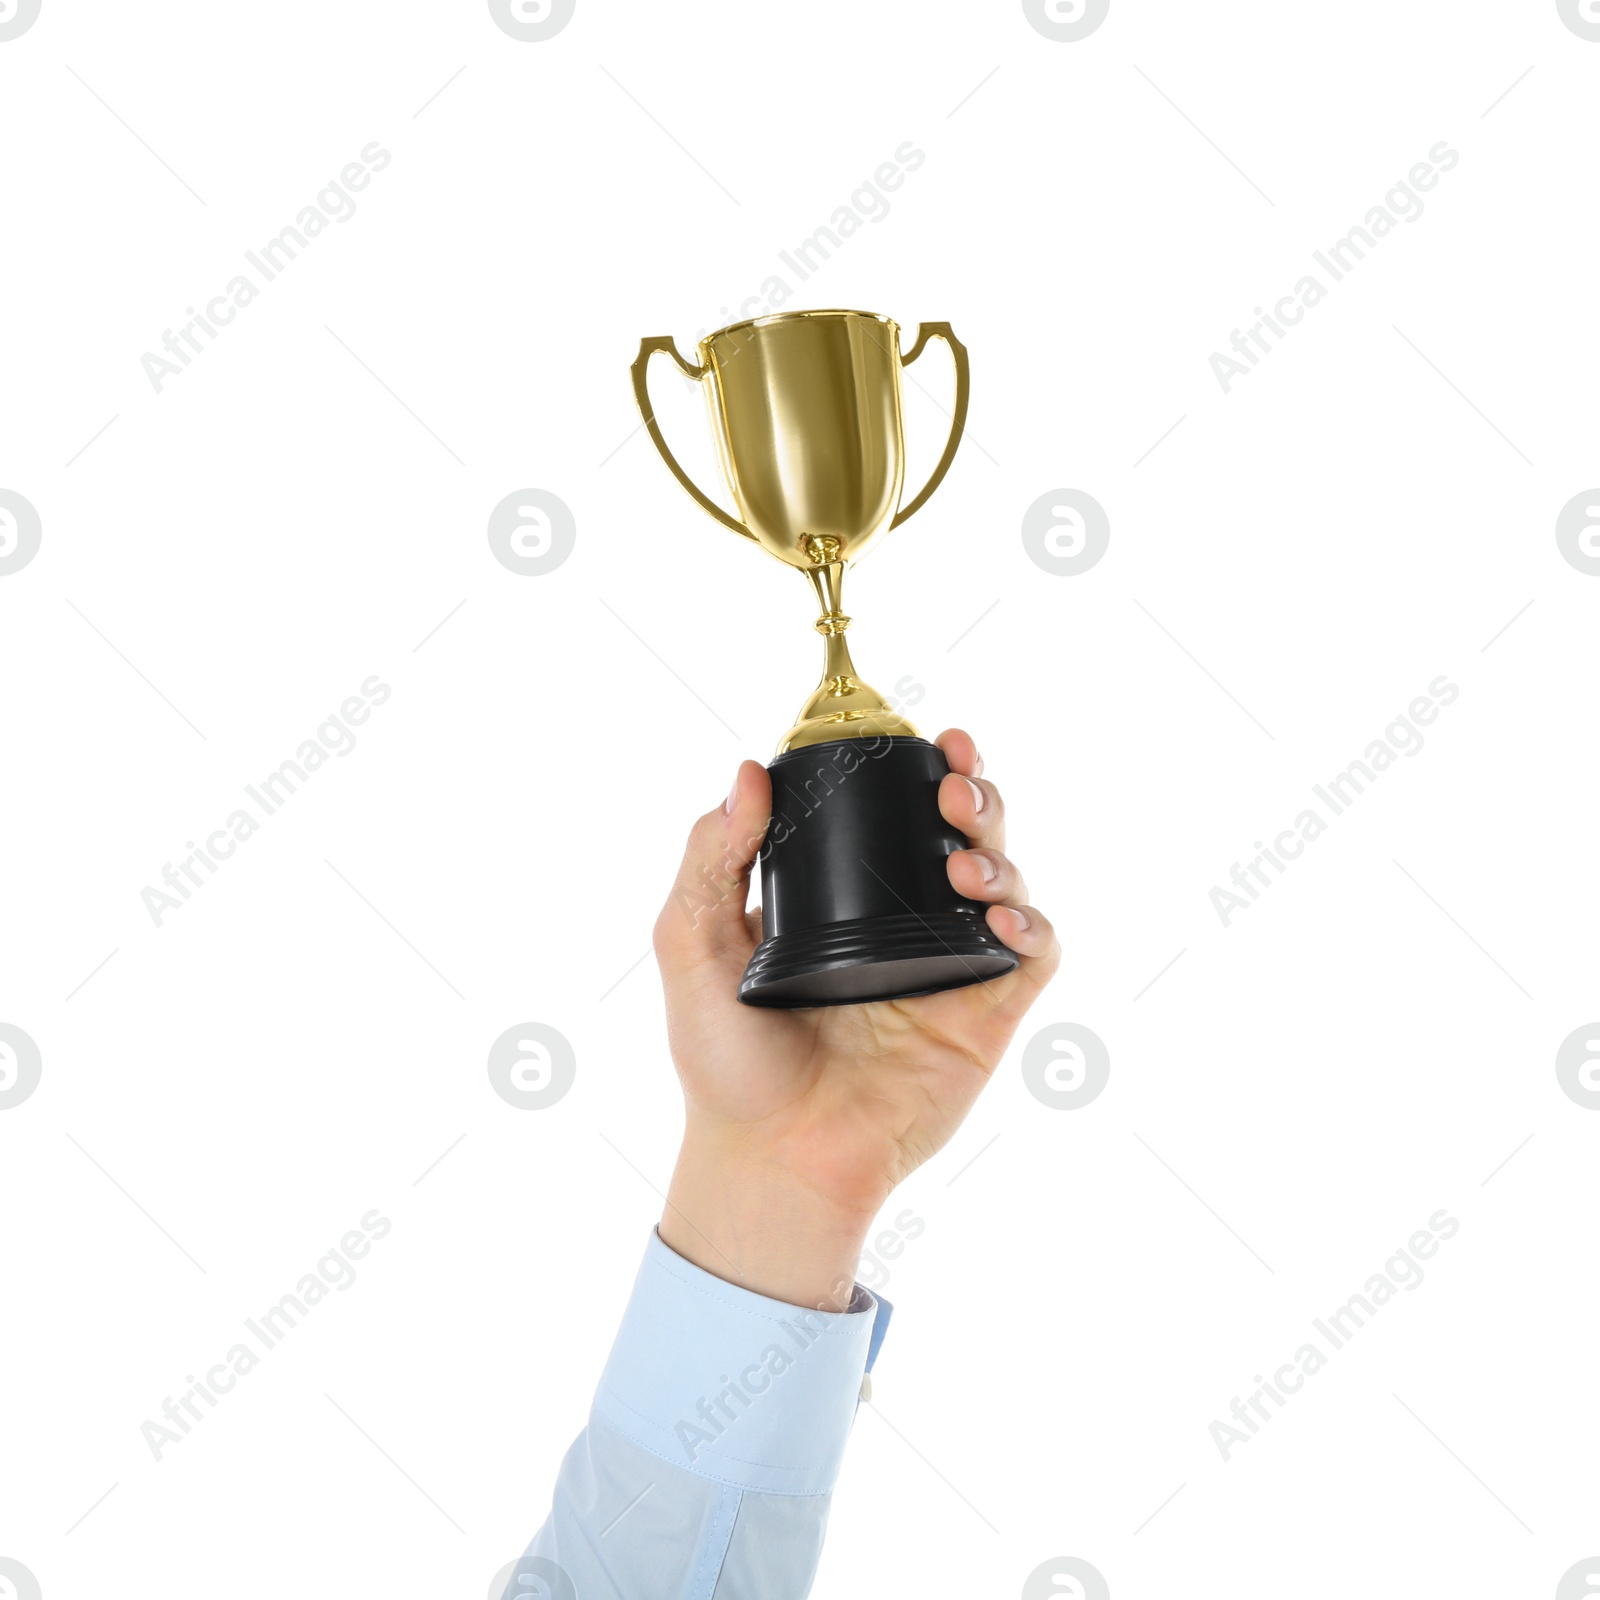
{"x": 958, "y": 352}
{"x": 641, "y": 394}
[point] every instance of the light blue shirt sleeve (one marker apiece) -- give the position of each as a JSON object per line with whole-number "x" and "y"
{"x": 708, "y": 1463}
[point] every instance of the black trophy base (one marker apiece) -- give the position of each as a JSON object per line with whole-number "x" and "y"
{"x": 856, "y": 900}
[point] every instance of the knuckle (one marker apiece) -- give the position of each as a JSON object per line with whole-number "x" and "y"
{"x": 1001, "y": 859}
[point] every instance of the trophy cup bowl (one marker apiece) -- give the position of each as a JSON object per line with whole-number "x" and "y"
{"x": 856, "y": 901}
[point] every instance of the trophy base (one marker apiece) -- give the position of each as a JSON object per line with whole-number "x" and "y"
{"x": 856, "y": 899}
{"x": 874, "y": 958}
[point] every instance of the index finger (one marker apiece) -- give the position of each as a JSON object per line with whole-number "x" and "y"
{"x": 961, "y": 751}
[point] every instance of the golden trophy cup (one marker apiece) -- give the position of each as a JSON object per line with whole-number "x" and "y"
{"x": 856, "y": 902}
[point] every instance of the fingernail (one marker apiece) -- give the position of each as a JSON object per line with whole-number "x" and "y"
{"x": 977, "y": 794}
{"x": 977, "y": 765}
{"x": 986, "y": 866}
{"x": 1022, "y": 919}
{"x": 733, "y": 797}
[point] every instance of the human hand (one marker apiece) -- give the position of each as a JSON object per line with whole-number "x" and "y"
{"x": 800, "y": 1123}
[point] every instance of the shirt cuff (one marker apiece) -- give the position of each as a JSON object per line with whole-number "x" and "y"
{"x": 733, "y": 1386}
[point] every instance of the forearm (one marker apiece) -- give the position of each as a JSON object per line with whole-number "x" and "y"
{"x": 738, "y": 1212}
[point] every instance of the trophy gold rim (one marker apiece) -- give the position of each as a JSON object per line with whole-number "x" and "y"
{"x": 797, "y": 316}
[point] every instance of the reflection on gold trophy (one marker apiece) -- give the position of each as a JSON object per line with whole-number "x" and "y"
{"x": 806, "y": 411}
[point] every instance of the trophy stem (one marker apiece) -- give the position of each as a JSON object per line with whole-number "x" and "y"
{"x": 828, "y": 582}
{"x": 841, "y": 706}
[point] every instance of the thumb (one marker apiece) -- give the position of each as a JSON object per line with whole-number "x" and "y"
{"x": 703, "y": 919}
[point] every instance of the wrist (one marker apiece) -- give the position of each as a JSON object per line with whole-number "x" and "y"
{"x": 737, "y": 1211}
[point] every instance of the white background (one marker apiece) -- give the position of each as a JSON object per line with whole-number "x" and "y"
{"x": 1289, "y": 567}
